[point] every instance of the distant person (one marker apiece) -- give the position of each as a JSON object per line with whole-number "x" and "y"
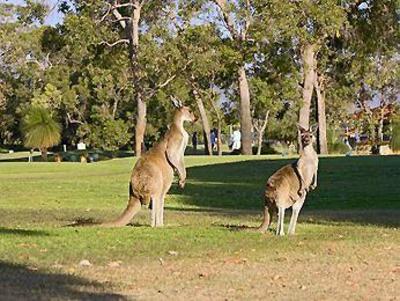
{"x": 236, "y": 140}
{"x": 212, "y": 139}
{"x": 216, "y": 138}
{"x": 30, "y": 157}
{"x": 357, "y": 137}
{"x": 194, "y": 140}
{"x": 347, "y": 142}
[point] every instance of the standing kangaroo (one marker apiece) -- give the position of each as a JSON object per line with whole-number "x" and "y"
{"x": 288, "y": 186}
{"x": 153, "y": 173}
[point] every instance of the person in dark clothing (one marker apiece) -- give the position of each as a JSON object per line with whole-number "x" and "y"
{"x": 212, "y": 139}
{"x": 194, "y": 140}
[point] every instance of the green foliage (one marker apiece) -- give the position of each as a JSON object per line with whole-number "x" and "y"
{"x": 335, "y": 141}
{"x": 39, "y": 128}
{"x": 395, "y": 140}
{"x": 49, "y": 99}
{"x": 109, "y": 136}
{"x": 70, "y": 70}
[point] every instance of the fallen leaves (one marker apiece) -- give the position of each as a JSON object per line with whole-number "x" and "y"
{"x": 114, "y": 264}
{"x": 85, "y": 263}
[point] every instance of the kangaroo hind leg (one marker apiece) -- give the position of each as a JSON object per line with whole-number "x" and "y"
{"x": 156, "y": 211}
{"x": 281, "y": 217}
{"x": 295, "y": 214}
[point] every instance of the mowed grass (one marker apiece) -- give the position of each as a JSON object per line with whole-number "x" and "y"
{"x": 347, "y": 243}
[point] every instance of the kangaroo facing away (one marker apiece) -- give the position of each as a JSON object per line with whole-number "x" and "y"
{"x": 289, "y": 185}
{"x": 153, "y": 173}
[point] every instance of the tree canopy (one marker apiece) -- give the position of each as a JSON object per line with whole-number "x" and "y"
{"x": 107, "y": 70}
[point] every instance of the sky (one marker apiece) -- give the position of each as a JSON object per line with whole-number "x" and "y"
{"x": 54, "y": 16}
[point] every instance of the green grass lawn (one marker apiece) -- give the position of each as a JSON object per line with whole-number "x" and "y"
{"x": 347, "y": 242}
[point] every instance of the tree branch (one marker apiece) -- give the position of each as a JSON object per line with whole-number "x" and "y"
{"x": 227, "y": 18}
{"x": 117, "y": 15}
{"x": 167, "y": 81}
{"x": 122, "y": 19}
{"x": 160, "y": 86}
{"x": 125, "y": 5}
{"x": 73, "y": 121}
{"x": 265, "y": 121}
{"x": 247, "y": 22}
{"x": 126, "y": 41}
{"x": 106, "y": 14}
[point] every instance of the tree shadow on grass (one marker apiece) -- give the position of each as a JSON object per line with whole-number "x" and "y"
{"x": 22, "y": 232}
{"x": 355, "y": 189}
{"x": 91, "y": 222}
{"x": 379, "y": 217}
{"x": 18, "y": 282}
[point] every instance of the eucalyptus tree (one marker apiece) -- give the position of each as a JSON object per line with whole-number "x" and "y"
{"x": 378, "y": 97}
{"x": 310, "y": 25}
{"x": 135, "y": 18}
{"x": 374, "y": 39}
{"x": 22, "y": 63}
{"x": 201, "y": 49}
{"x": 235, "y": 21}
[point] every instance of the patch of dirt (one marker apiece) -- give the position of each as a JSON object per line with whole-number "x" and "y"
{"x": 356, "y": 274}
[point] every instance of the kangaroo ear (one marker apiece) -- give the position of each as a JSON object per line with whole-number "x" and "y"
{"x": 177, "y": 103}
{"x": 314, "y": 128}
{"x": 300, "y": 128}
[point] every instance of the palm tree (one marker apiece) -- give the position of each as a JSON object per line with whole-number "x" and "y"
{"x": 40, "y": 130}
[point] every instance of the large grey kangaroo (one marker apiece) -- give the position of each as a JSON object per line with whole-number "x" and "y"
{"x": 153, "y": 173}
{"x": 288, "y": 186}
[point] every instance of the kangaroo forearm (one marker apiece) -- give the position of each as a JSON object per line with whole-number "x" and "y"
{"x": 314, "y": 181}
{"x": 181, "y": 170}
{"x": 182, "y": 174}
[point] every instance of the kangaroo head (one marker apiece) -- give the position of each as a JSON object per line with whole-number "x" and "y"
{"x": 187, "y": 114}
{"x": 307, "y": 136}
{"x": 184, "y": 112}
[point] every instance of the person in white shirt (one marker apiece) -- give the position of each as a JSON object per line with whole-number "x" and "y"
{"x": 236, "y": 140}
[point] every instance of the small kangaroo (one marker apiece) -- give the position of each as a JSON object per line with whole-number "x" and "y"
{"x": 289, "y": 185}
{"x": 153, "y": 173}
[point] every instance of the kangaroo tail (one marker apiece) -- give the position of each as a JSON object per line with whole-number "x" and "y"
{"x": 266, "y": 221}
{"x": 269, "y": 209}
{"x": 133, "y": 207}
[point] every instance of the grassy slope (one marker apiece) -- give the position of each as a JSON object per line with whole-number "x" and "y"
{"x": 347, "y": 224}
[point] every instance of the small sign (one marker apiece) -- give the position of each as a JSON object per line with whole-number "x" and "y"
{"x": 81, "y": 146}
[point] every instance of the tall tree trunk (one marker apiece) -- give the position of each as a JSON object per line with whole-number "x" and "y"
{"x": 43, "y": 152}
{"x": 308, "y": 54}
{"x": 133, "y": 32}
{"x": 205, "y": 123}
{"x": 319, "y": 88}
{"x": 141, "y": 122}
{"x": 219, "y": 141}
{"x": 308, "y": 84}
{"x": 245, "y": 113}
{"x": 219, "y": 125}
{"x": 380, "y": 126}
{"x": 260, "y": 131}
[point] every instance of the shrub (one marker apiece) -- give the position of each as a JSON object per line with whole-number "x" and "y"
{"x": 40, "y": 130}
{"x": 335, "y": 143}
